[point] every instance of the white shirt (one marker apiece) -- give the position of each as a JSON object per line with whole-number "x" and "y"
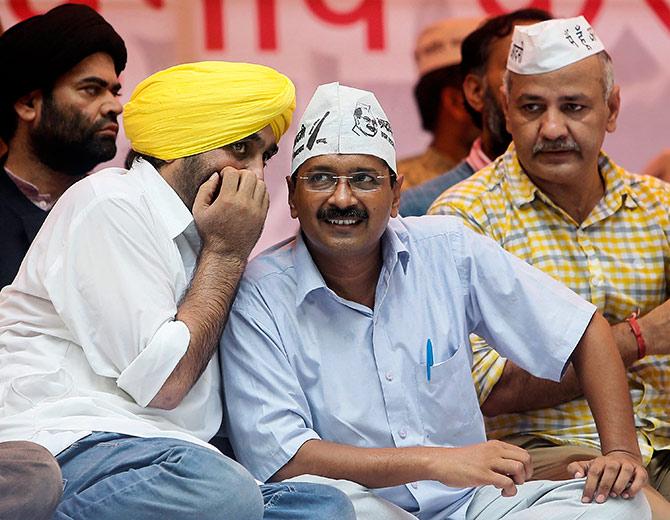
{"x": 88, "y": 333}
{"x": 302, "y": 363}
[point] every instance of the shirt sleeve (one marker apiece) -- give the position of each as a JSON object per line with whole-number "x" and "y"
{"x": 523, "y": 313}
{"x": 267, "y": 413}
{"x": 112, "y": 285}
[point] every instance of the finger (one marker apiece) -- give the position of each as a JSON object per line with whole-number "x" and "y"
{"x": 266, "y": 203}
{"x": 206, "y": 191}
{"x": 578, "y": 469}
{"x": 260, "y": 190}
{"x": 231, "y": 180}
{"x": 640, "y": 479}
{"x": 504, "y": 483}
{"x": 623, "y": 479}
{"x": 608, "y": 475}
{"x": 592, "y": 479}
{"x": 519, "y": 454}
{"x": 513, "y": 469}
{"x": 248, "y": 181}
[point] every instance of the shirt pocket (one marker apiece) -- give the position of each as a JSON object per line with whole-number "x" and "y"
{"x": 448, "y": 403}
{"x": 31, "y": 390}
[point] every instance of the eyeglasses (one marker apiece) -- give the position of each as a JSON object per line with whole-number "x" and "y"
{"x": 358, "y": 181}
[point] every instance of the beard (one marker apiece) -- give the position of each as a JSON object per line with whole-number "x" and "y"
{"x": 495, "y": 123}
{"x": 193, "y": 172}
{"x": 67, "y": 142}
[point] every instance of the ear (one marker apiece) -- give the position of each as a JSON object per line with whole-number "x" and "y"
{"x": 395, "y": 205}
{"x": 614, "y": 106}
{"x": 291, "y": 194}
{"x": 28, "y": 107}
{"x": 473, "y": 91}
{"x": 453, "y": 102}
{"x": 505, "y": 105}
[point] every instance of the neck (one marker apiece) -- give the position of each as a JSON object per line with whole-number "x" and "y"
{"x": 23, "y": 163}
{"x": 577, "y": 199}
{"x": 352, "y": 277}
{"x": 451, "y": 141}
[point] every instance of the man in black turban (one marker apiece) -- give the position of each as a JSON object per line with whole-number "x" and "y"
{"x": 58, "y": 111}
{"x": 58, "y": 116}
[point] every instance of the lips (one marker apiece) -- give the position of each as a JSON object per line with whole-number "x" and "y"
{"x": 111, "y": 128}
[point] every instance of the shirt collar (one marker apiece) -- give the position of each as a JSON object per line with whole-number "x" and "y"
{"x": 171, "y": 208}
{"x": 477, "y": 159}
{"x": 618, "y": 188}
{"x": 44, "y": 201}
{"x": 309, "y": 278}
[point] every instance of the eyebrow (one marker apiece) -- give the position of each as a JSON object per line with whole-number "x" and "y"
{"x": 569, "y": 98}
{"x": 115, "y": 87}
{"x": 273, "y": 149}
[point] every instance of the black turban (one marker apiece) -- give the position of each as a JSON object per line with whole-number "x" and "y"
{"x": 36, "y": 52}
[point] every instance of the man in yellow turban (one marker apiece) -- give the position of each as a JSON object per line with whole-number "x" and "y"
{"x": 108, "y": 332}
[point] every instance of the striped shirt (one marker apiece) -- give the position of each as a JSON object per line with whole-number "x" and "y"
{"x": 618, "y": 258}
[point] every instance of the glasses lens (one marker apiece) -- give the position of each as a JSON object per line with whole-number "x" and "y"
{"x": 364, "y": 181}
{"x": 320, "y": 181}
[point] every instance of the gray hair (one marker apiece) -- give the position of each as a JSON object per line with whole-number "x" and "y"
{"x": 608, "y": 76}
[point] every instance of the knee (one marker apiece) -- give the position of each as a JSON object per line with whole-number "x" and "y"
{"x": 33, "y": 480}
{"x": 231, "y": 492}
{"x": 333, "y": 503}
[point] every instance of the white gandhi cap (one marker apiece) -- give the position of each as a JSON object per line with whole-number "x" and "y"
{"x": 551, "y": 45}
{"x": 343, "y": 120}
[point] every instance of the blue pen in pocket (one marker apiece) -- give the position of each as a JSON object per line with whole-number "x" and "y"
{"x": 429, "y": 358}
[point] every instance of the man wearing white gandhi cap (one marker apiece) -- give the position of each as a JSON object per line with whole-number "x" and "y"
{"x": 556, "y": 200}
{"x": 328, "y": 374}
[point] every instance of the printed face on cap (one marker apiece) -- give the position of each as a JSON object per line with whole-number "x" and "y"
{"x": 349, "y": 217}
{"x": 558, "y": 121}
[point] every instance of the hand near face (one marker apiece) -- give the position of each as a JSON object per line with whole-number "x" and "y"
{"x": 230, "y": 210}
{"x": 616, "y": 474}
{"x": 494, "y": 462}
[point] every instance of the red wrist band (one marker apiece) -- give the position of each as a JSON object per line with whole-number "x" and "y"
{"x": 635, "y": 327}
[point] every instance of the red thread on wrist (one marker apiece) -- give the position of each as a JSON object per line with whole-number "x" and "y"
{"x": 635, "y": 328}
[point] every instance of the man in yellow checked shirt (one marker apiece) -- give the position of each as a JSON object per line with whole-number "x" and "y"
{"x": 108, "y": 332}
{"x": 558, "y": 202}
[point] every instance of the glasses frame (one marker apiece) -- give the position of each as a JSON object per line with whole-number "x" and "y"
{"x": 331, "y": 189}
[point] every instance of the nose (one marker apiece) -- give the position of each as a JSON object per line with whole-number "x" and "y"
{"x": 553, "y": 125}
{"x": 112, "y": 105}
{"x": 343, "y": 196}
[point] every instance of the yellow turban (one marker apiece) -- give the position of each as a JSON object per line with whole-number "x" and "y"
{"x": 198, "y": 107}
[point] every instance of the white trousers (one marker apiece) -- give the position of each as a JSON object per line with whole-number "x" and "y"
{"x": 537, "y": 500}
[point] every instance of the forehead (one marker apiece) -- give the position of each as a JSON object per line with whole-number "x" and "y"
{"x": 583, "y": 78}
{"x": 98, "y": 65}
{"x": 344, "y": 162}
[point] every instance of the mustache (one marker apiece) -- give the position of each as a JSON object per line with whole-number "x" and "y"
{"x": 104, "y": 121}
{"x": 558, "y": 145}
{"x": 341, "y": 214}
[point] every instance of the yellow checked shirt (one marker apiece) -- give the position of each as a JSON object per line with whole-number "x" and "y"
{"x": 618, "y": 259}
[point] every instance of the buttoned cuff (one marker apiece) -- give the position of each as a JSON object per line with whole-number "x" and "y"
{"x": 147, "y": 373}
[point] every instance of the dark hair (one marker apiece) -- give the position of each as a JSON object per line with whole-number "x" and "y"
{"x": 428, "y": 91}
{"x": 476, "y": 47}
{"x": 153, "y": 161}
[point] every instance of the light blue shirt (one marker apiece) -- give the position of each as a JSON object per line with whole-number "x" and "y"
{"x": 301, "y": 363}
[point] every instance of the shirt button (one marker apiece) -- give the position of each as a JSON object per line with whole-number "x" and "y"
{"x": 414, "y": 485}
{"x": 389, "y": 376}
{"x": 402, "y": 433}
{"x": 597, "y": 280}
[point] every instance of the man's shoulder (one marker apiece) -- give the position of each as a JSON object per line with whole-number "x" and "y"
{"x": 275, "y": 262}
{"x": 646, "y": 189}
{"x": 478, "y": 190}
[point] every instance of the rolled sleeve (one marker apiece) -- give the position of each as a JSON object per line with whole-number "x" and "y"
{"x": 267, "y": 412}
{"x": 159, "y": 358}
{"x": 523, "y": 313}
